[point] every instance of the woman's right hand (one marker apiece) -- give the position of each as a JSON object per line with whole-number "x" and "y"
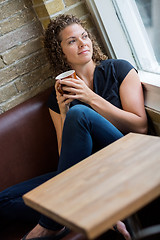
{"x": 62, "y": 101}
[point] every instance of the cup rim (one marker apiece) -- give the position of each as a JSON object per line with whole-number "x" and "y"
{"x": 67, "y": 74}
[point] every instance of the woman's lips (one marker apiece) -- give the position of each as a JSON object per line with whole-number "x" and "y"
{"x": 83, "y": 52}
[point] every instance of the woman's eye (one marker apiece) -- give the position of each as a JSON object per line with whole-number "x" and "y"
{"x": 72, "y": 41}
{"x": 85, "y": 36}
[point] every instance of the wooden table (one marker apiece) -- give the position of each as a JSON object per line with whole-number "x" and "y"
{"x": 105, "y": 187}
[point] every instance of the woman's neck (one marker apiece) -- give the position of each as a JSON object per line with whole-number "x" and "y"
{"x": 86, "y": 72}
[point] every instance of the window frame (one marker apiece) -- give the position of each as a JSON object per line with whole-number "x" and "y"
{"x": 106, "y": 19}
{"x": 136, "y": 35}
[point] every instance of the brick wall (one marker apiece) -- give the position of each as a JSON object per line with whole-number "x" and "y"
{"x": 47, "y": 10}
{"x": 24, "y": 69}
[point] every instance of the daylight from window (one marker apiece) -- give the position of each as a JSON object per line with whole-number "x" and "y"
{"x": 140, "y": 20}
{"x": 149, "y": 11}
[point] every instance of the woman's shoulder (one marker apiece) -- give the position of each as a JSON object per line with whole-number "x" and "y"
{"x": 115, "y": 62}
{"x": 119, "y": 66}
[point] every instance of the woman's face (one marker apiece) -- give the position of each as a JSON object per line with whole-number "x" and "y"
{"x": 76, "y": 45}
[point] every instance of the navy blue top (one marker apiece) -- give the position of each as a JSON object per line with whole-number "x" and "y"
{"x": 107, "y": 79}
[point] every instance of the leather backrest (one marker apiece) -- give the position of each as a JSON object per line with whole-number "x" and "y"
{"x": 28, "y": 145}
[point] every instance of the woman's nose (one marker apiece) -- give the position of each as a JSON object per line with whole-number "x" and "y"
{"x": 81, "y": 43}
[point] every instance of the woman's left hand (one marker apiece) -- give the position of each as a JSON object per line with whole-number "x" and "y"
{"x": 77, "y": 89}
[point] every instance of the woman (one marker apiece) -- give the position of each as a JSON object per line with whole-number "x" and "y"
{"x": 103, "y": 103}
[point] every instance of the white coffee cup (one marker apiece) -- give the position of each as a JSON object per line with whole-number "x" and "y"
{"x": 67, "y": 74}
{"x": 64, "y": 75}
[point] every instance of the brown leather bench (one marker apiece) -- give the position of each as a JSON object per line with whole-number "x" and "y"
{"x": 28, "y": 148}
{"x": 27, "y": 141}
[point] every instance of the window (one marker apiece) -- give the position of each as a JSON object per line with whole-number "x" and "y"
{"x": 140, "y": 31}
{"x": 149, "y": 11}
{"x": 129, "y": 30}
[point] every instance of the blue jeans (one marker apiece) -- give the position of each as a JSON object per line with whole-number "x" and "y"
{"x": 84, "y": 132}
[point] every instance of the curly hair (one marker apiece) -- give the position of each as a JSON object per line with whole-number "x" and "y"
{"x": 52, "y": 43}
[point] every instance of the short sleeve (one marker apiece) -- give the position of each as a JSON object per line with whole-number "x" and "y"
{"x": 122, "y": 68}
{"x": 52, "y": 102}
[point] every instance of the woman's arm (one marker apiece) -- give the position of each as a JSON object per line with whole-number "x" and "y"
{"x": 132, "y": 118}
{"x": 58, "y": 118}
{"x": 132, "y": 100}
{"x": 57, "y": 121}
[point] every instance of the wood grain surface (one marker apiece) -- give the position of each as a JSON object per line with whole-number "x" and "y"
{"x": 105, "y": 187}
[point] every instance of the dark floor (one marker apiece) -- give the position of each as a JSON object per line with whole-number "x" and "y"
{"x": 148, "y": 216}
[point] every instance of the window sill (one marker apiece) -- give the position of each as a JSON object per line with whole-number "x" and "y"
{"x": 151, "y": 84}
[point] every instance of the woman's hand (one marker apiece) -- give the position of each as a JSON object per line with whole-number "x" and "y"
{"x": 62, "y": 101}
{"x": 76, "y": 89}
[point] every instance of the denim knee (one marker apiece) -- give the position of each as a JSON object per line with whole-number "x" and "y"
{"x": 77, "y": 112}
